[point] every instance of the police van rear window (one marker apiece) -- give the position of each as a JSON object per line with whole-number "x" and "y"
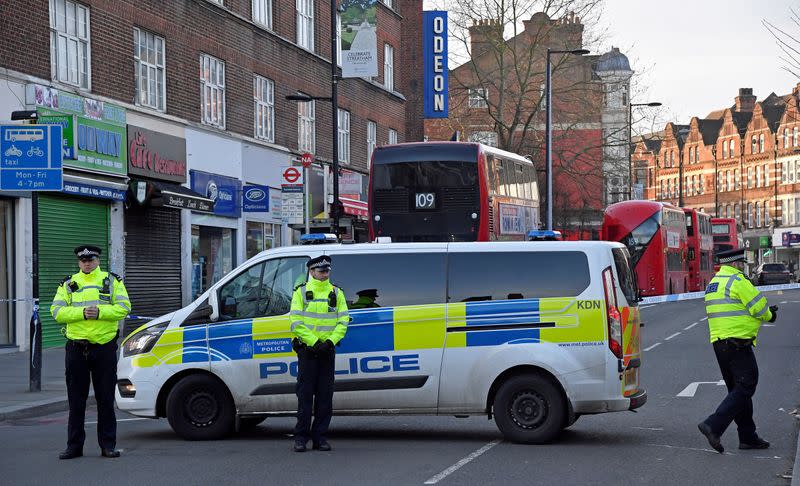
{"x": 516, "y": 275}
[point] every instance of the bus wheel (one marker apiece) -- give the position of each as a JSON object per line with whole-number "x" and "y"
{"x": 529, "y": 409}
{"x": 249, "y": 423}
{"x": 200, "y": 408}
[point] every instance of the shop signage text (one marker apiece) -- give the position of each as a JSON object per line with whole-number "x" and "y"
{"x": 184, "y": 202}
{"x": 87, "y": 190}
{"x": 434, "y": 42}
{"x": 156, "y": 155}
{"x": 224, "y": 191}
{"x": 255, "y": 198}
{"x": 788, "y": 238}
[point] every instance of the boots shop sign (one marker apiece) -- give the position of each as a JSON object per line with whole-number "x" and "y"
{"x": 156, "y": 155}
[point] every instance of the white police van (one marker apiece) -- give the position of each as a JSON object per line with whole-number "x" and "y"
{"x": 532, "y": 334}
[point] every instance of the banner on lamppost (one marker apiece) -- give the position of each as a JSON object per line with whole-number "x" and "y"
{"x": 359, "y": 39}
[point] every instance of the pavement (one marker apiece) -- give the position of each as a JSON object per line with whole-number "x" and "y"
{"x": 658, "y": 445}
{"x": 16, "y": 399}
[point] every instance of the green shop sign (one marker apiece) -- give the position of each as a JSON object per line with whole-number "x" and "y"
{"x": 95, "y": 132}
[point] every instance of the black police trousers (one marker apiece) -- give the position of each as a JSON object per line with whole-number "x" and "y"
{"x": 737, "y": 362}
{"x": 315, "y": 374}
{"x": 95, "y": 363}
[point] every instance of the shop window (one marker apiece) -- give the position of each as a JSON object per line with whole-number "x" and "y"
{"x": 212, "y": 256}
{"x": 260, "y": 237}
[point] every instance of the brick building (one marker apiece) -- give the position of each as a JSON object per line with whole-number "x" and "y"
{"x": 502, "y": 104}
{"x": 738, "y": 162}
{"x": 182, "y": 104}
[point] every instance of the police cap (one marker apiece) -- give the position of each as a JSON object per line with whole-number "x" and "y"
{"x": 367, "y": 293}
{"x": 730, "y": 256}
{"x": 87, "y": 252}
{"x": 320, "y": 263}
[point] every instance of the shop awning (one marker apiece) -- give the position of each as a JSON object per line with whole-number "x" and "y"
{"x": 170, "y": 195}
{"x": 354, "y": 207}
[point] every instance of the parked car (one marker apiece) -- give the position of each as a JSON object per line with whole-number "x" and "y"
{"x": 771, "y": 273}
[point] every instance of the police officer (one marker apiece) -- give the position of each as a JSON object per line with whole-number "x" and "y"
{"x": 366, "y": 299}
{"x": 90, "y": 304}
{"x": 735, "y": 311}
{"x": 319, "y": 321}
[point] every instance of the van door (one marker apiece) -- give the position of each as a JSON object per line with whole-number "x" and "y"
{"x": 629, "y": 310}
{"x": 392, "y": 353}
{"x": 250, "y": 345}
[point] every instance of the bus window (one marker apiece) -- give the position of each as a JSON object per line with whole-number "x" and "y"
{"x": 638, "y": 239}
{"x": 519, "y": 177}
{"x": 689, "y": 225}
{"x": 511, "y": 183}
{"x": 499, "y": 175}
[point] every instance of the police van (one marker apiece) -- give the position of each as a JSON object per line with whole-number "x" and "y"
{"x": 531, "y": 334}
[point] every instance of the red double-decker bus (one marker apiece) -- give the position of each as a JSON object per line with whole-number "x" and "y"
{"x": 655, "y": 234}
{"x": 451, "y": 191}
{"x": 727, "y": 234}
{"x": 700, "y": 252}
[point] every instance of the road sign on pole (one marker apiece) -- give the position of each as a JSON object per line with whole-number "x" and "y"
{"x": 31, "y": 158}
{"x": 307, "y": 159}
{"x": 292, "y": 195}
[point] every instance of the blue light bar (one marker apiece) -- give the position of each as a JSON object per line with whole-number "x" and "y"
{"x": 318, "y": 238}
{"x": 544, "y": 235}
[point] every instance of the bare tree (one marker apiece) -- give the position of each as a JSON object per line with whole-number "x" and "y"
{"x": 788, "y": 42}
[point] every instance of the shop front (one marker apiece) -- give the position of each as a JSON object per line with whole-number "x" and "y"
{"x": 261, "y": 171}
{"x": 153, "y": 250}
{"x": 89, "y": 209}
{"x": 214, "y": 235}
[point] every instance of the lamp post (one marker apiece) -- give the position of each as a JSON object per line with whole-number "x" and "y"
{"x": 630, "y": 129}
{"x": 334, "y": 99}
{"x": 549, "y": 128}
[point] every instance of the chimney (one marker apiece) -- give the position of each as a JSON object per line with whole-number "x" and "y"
{"x": 745, "y": 101}
{"x": 483, "y": 34}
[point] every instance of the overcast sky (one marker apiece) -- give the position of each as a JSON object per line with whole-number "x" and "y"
{"x": 694, "y": 55}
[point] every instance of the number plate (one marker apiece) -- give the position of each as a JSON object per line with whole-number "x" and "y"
{"x": 425, "y": 200}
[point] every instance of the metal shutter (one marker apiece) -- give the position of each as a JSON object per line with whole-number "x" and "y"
{"x": 64, "y": 223}
{"x": 152, "y": 262}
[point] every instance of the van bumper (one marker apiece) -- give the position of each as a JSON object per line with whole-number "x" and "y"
{"x": 637, "y": 399}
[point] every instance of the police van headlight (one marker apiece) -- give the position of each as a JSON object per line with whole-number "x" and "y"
{"x": 144, "y": 340}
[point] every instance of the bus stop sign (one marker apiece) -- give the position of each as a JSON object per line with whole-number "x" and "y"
{"x": 31, "y": 158}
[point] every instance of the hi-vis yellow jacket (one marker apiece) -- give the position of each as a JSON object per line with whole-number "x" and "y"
{"x": 312, "y": 318}
{"x": 98, "y": 288}
{"x": 735, "y": 308}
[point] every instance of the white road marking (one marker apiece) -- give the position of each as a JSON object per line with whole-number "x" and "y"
{"x": 122, "y": 420}
{"x": 653, "y": 305}
{"x": 784, "y": 302}
{"x": 461, "y": 463}
{"x": 651, "y": 347}
{"x": 690, "y": 326}
{"x": 690, "y": 390}
{"x": 670, "y": 337}
{"x": 649, "y": 428}
{"x": 704, "y": 319}
{"x": 768, "y": 325}
{"x": 668, "y": 446}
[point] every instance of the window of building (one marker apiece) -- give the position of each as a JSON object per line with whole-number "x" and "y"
{"x": 305, "y": 24}
{"x": 753, "y": 145}
{"x": 344, "y": 136}
{"x": 728, "y": 211}
{"x": 372, "y": 140}
{"x": 486, "y": 276}
{"x": 736, "y": 211}
{"x": 702, "y": 184}
{"x": 796, "y": 166}
{"x": 388, "y": 67}
{"x": 388, "y": 3}
{"x": 260, "y": 237}
{"x": 421, "y": 282}
{"x": 783, "y": 172}
{"x": 796, "y": 211}
{"x": 392, "y": 136}
{"x": 758, "y": 215}
{"x": 749, "y": 215}
{"x": 785, "y": 138}
{"x": 766, "y": 175}
{"x": 724, "y": 149}
{"x": 262, "y": 13}
{"x": 306, "y": 126}
{"x": 70, "y": 46}
{"x": 720, "y": 182}
{"x": 732, "y": 148}
{"x": 794, "y": 137}
{"x": 212, "y": 86}
{"x": 477, "y": 98}
{"x": 761, "y": 143}
{"x": 758, "y": 176}
{"x": 766, "y": 214}
{"x": 484, "y": 137}
{"x": 264, "y": 105}
{"x": 749, "y": 177}
{"x": 338, "y": 39}
{"x": 148, "y": 58}
{"x": 660, "y": 189}
{"x": 730, "y": 180}
{"x": 671, "y": 157}
{"x": 737, "y": 179}
{"x": 791, "y": 171}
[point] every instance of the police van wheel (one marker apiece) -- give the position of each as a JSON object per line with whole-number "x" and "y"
{"x": 529, "y": 409}
{"x": 199, "y": 408}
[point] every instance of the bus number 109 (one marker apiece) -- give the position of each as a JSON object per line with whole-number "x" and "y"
{"x": 425, "y": 200}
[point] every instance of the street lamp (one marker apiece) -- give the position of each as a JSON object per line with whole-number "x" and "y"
{"x": 549, "y": 128}
{"x": 630, "y": 149}
{"x": 334, "y": 99}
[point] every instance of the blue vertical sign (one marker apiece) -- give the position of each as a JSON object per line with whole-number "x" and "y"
{"x": 31, "y": 158}
{"x": 434, "y": 59}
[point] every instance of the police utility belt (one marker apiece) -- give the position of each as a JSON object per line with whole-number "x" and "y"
{"x": 739, "y": 342}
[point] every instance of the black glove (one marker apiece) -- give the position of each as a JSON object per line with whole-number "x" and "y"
{"x": 774, "y": 310}
{"x": 319, "y": 346}
{"x": 329, "y": 346}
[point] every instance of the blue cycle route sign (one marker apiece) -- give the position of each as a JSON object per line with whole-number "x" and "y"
{"x": 30, "y": 158}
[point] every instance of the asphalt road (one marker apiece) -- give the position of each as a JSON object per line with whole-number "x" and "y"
{"x": 658, "y": 445}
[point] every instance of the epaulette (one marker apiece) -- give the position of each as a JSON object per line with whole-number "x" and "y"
{"x": 65, "y": 279}
{"x": 119, "y": 279}
{"x": 299, "y": 285}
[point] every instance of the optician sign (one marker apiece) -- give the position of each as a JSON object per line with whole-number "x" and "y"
{"x": 224, "y": 191}
{"x": 95, "y": 136}
{"x": 255, "y": 198}
{"x": 434, "y": 56}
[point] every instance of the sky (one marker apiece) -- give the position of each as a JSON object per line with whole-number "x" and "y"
{"x": 694, "y": 55}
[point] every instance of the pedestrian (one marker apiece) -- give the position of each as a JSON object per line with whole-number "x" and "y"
{"x": 319, "y": 318}
{"x": 735, "y": 311}
{"x": 90, "y": 304}
{"x": 791, "y": 269}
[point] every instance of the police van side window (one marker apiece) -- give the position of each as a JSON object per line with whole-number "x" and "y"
{"x": 265, "y": 289}
{"x": 390, "y": 279}
{"x": 516, "y": 275}
{"x": 289, "y": 273}
{"x": 240, "y": 298}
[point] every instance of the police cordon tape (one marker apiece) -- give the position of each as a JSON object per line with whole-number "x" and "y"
{"x": 658, "y": 299}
